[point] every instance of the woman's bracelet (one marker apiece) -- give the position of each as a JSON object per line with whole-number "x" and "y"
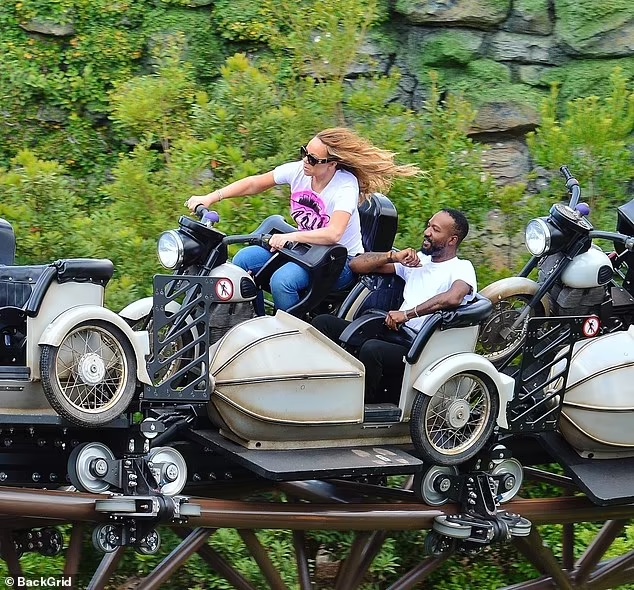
{"x": 220, "y": 195}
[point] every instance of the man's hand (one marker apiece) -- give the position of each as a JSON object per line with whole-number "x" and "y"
{"x": 395, "y": 319}
{"x": 407, "y": 257}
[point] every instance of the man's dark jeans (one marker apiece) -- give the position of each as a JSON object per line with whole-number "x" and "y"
{"x": 383, "y": 360}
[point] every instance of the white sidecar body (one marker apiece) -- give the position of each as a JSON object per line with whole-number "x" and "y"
{"x": 598, "y": 407}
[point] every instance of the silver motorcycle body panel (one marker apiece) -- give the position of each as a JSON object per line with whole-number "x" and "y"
{"x": 281, "y": 384}
{"x": 234, "y": 276}
{"x": 584, "y": 270}
{"x": 598, "y": 405}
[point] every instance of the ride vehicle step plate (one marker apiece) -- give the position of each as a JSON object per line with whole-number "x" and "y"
{"x": 604, "y": 481}
{"x": 315, "y": 463}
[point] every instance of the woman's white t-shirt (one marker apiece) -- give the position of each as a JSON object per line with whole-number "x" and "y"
{"x": 312, "y": 210}
{"x": 431, "y": 278}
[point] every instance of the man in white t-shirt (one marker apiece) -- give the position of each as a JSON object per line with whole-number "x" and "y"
{"x": 435, "y": 279}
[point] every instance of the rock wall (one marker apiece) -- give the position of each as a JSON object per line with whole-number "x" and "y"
{"x": 505, "y": 54}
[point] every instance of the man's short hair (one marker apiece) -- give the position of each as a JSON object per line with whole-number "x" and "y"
{"x": 460, "y": 222}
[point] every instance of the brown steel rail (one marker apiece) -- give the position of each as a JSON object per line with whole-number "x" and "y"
{"x": 370, "y": 516}
{"x": 325, "y": 506}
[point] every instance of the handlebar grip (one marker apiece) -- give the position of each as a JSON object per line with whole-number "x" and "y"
{"x": 200, "y": 210}
{"x": 565, "y": 172}
{"x": 571, "y": 181}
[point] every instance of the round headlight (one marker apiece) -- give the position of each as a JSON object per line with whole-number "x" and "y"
{"x": 170, "y": 249}
{"x": 537, "y": 237}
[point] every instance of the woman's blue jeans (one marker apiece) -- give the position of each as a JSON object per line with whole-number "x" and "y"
{"x": 287, "y": 282}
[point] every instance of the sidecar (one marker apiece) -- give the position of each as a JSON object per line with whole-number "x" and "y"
{"x": 285, "y": 402}
{"x": 64, "y": 357}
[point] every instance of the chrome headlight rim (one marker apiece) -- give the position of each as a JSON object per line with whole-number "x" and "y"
{"x": 540, "y": 230}
{"x": 178, "y": 248}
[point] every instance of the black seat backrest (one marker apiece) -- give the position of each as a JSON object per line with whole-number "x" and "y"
{"x": 379, "y": 222}
{"x": 7, "y": 243}
{"x": 385, "y": 292}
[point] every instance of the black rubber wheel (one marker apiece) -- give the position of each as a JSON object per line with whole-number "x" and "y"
{"x": 452, "y": 425}
{"x": 90, "y": 378}
{"x": 79, "y": 467}
{"x": 104, "y": 537}
{"x": 491, "y": 345}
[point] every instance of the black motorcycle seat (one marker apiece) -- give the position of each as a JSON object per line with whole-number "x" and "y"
{"x": 84, "y": 269}
{"x": 25, "y": 286}
{"x": 17, "y": 282}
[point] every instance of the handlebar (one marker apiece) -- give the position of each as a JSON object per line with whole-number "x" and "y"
{"x": 251, "y": 240}
{"x": 572, "y": 184}
{"x": 627, "y": 241}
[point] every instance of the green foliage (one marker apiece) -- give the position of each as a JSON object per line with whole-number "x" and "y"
{"x": 593, "y": 141}
{"x": 40, "y": 201}
{"x": 589, "y": 77}
{"x": 580, "y": 20}
{"x": 243, "y": 20}
{"x": 449, "y": 48}
{"x": 155, "y": 108}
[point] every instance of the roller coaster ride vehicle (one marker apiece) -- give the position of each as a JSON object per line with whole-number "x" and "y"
{"x": 575, "y": 277}
{"x": 198, "y": 248}
{"x": 61, "y": 351}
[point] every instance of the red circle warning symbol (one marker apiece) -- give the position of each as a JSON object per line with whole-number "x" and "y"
{"x": 591, "y": 326}
{"x": 224, "y": 289}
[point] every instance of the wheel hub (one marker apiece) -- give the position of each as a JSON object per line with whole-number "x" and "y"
{"x": 458, "y": 413}
{"x": 91, "y": 369}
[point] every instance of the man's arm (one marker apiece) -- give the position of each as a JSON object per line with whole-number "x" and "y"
{"x": 383, "y": 262}
{"x": 449, "y": 299}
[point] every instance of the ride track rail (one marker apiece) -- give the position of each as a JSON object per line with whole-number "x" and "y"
{"x": 332, "y": 505}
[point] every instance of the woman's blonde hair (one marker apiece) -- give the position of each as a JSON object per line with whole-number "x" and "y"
{"x": 374, "y": 167}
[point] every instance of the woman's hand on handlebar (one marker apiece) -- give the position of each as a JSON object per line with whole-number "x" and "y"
{"x": 279, "y": 241}
{"x": 395, "y": 319}
{"x": 205, "y": 200}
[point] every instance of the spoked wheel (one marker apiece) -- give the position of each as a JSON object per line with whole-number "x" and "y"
{"x": 491, "y": 343}
{"x": 87, "y": 466}
{"x": 172, "y": 350}
{"x": 432, "y": 486}
{"x": 452, "y": 425}
{"x": 90, "y": 378}
{"x": 169, "y": 469}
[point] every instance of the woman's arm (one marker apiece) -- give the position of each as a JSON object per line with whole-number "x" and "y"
{"x": 325, "y": 236}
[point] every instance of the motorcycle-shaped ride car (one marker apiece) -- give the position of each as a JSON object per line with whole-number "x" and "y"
{"x": 198, "y": 248}
{"x": 575, "y": 277}
{"x": 62, "y": 353}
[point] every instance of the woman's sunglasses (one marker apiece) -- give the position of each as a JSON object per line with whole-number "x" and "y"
{"x": 303, "y": 152}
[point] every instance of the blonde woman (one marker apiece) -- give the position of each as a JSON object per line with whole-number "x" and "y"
{"x": 337, "y": 169}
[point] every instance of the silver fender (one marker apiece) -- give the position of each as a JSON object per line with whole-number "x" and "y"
{"x": 63, "y": 323}
{"x": 141, "y": 307}
{"x": 510, "y": 286}
{"x": 432, "y": 378}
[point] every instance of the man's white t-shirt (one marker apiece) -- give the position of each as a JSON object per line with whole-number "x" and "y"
{"x": 431, "y": 278}
{"x": 312, "y": 210}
